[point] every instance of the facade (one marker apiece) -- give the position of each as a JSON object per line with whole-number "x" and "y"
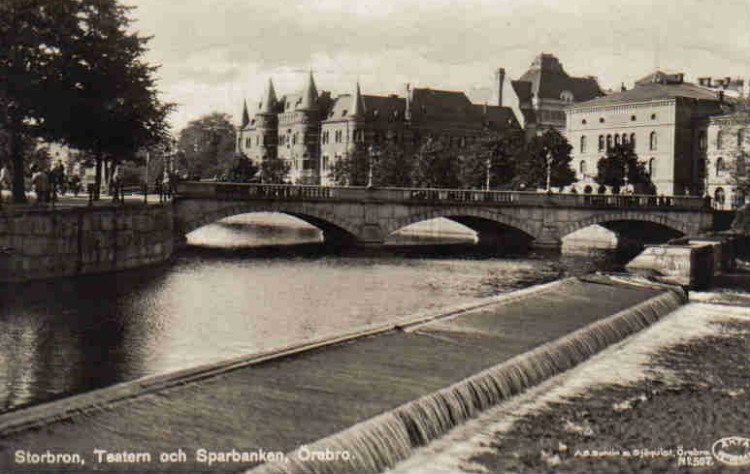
{"x": 312, "y": 131}
{"x": 667, "y": 120}
{"x": 544, "y": 91}
{"x": 723, "y": 147}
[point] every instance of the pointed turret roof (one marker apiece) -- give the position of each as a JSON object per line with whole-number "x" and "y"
{"x": 310, "y": 94}
{"x": 358, "y": 105}
{"x": 245, "y": 114}
{"x": 269, "y": 99}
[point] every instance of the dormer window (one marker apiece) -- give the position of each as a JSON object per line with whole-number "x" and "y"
{"x": 567, "y": 97}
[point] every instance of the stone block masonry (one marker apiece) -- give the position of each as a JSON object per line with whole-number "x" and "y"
{"x": 45, "y": 243}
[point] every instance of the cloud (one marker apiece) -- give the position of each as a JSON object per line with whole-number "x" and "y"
{"x": 214, "y": 53}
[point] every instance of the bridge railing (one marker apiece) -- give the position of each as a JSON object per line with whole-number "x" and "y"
{"x": 241, "y": 191}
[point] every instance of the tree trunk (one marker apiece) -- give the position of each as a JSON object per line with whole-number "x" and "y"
{"x": 16, "y": 153}
{"x": 98, "y": 177}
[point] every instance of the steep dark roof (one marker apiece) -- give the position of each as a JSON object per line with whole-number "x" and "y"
{"x": 647, "y": 91}
{"x": 496, "y": 117}
{"x": 437, "y": 105}
{"x": 546, "y": 79}
{"x": 377, "y": 108}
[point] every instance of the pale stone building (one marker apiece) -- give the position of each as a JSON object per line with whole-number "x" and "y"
{"x": 663, "y": 116}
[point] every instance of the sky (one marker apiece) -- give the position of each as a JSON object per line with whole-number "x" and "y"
{"x": 216, "y": 53}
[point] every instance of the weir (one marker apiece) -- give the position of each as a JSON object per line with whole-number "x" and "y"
{"x": 376, "y": 395}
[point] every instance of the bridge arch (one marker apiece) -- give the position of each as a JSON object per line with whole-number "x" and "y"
{"x": 334, "y": 227}
{"x": 679, "y": 226}
{"x": 476, "y": 218}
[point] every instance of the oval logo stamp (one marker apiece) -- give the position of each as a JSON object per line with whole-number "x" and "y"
{"x": 732, "y": 451}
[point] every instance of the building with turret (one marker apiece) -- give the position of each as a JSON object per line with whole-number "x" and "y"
{"x": 311, "y": 130}
{"x": 544, "y": 91}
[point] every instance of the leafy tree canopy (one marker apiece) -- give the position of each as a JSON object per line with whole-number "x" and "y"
{"x": 531, "y": 163}
{"x": 206, "y": 147}
{"x": 621, "y": 166}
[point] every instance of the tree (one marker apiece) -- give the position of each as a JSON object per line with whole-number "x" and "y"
{"x": 490, "y": 162}
{"x": 391, "y": 166}
{"x": 274, "y": 171}
{"x": 531, "y": 163}
{"x": 436, "y": 165}
{"x": 243, "y": 170}
{"x": 352, "y": 169}
{"x": 207, "y": 146}
{"x": 620, "y": 167}
{"x": 73, "y": 72}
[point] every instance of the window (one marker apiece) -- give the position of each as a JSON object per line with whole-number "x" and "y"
{"x": 702, "y": 142}
{"x": 583, "y": 121}
{"x": 624, "y": 138}
{"x": 601, "y": 142}
{"x": 609, "y": 142}
{"x": 652, "y": 141}
{"x": 719, "y": 165}
{"x": 740, "y": 137}
{"x": 632, "y": 140}
{"x": 651, "y": 167}
{"x": 248, "y": 142}
{"x": 257, "y": 139}
{"x": 601, "y": 119}
{"x": 617, "y": 140}
{"x": 653, "y": 116}
{"x": 632, "y": 118}
{"x": 719, "y": 196}
{"x": 719, "y": 139}
{"x": 582, "y": 168}
{"x": 325, "y": 162}
{"x": 583, "y": 143}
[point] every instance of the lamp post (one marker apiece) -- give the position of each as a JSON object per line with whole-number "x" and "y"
{"x": 549, "y": 171}
{"x": 373, "y": 155}
{"x": 488, "y": 165}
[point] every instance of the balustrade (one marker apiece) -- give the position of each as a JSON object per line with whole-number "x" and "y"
{"x": 239, "y": 191}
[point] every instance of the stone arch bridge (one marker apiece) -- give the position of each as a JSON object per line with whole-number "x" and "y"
{"x": 369, "y": 215}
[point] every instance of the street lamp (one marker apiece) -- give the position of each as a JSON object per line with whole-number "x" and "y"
{"x": 549, "y": 171}
{"x": 373, "y": 155}
{"x": 488, "y": 165}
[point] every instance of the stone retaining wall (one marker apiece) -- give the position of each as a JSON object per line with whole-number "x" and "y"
{"x": 44, "y": 243}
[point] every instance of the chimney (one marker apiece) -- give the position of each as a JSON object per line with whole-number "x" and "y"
{"x": 499, "y": 80}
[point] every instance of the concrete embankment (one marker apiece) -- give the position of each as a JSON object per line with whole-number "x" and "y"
{"x": 429, "y": 373}
{"x": 45, "y": 243}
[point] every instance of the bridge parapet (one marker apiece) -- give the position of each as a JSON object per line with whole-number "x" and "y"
{"x": 241, "y": 192}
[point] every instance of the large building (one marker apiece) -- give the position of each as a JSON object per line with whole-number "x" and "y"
{"x": 544, "y": 91}
{"x": 667, "y": 119}
{"x": 312, "y": 130}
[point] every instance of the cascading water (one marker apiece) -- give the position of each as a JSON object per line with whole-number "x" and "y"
{"x": 379, "y": 443}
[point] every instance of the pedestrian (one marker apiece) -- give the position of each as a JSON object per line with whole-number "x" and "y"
{"x": 40, "y": 181}
{"x": 116, "y": 184}
{"x": 4, "y": 180}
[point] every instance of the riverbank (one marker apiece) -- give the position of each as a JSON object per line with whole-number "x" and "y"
{"x": 656, "y": 402}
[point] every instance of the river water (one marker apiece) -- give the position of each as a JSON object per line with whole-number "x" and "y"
{"x": 244, "y": 285}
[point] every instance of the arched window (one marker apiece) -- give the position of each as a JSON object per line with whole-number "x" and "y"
{"x": 582, "y": 168}
{"x": 652, "y": 141}
{"x": 601, "y": 142}
{"x": 719, "y": 165}
{"x": 651, "y": 167}
{"x": 719, "y": 139}
{"x": 583, "y": 143}
{"x": 624, "y": 139}
{"x": 632, "y": 140}
{"x": 617, "y": 140}
{"x": 740, "y": 137}
{"x": 609, "y": 142}
{"x": 702, "y": 143}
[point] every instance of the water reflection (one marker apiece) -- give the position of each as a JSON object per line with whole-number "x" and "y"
{"x": 230, "y": 295}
